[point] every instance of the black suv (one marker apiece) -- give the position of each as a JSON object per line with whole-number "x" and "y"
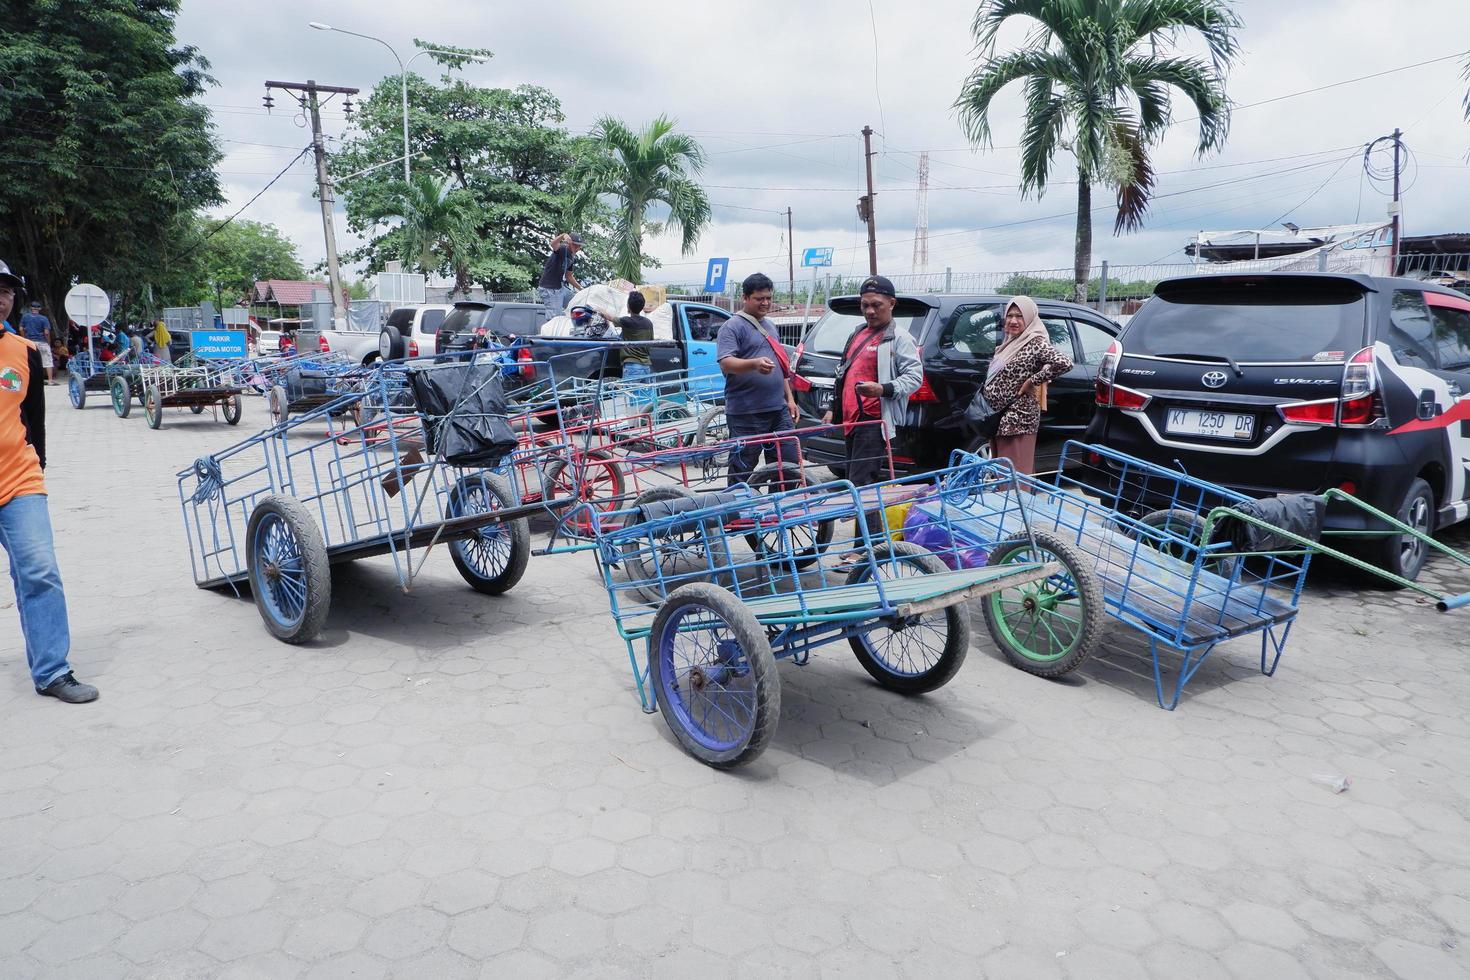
{"x": 956, "y": 335}
{"x": 1295, "y": 382}
{"x": 474, "y": 324}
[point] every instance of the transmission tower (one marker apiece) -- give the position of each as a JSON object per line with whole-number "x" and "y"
{"x": 921, "y": 227}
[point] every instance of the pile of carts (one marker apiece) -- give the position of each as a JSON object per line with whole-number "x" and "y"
{"x": 710, "y": 585}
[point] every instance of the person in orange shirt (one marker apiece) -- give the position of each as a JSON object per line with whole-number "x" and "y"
{"x": 25, "y": 520}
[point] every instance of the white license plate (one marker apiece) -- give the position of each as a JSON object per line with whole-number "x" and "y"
{"x": 823, "y": 398}
{"x": 1236, "y": 426}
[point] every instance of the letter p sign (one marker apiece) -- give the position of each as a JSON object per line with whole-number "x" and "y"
{"x": 714, "y": 279}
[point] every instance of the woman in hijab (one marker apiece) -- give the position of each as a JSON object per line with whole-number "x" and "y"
{"x": 1024, "y": 361}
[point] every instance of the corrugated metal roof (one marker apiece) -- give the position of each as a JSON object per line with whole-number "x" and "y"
{"x": 287, "y": 292}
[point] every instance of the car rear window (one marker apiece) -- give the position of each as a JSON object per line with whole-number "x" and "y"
{"x": 464, "y": 318}
{"x": 829, "y": 334}
{"x": 522, "y": 322}
{"x": 1251, "y": 320}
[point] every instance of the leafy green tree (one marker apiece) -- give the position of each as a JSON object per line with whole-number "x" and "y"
{"x": 233, "y": 257}
{"x": 655, "y": 166}
{"x": 504, "y": 148}
{"x": 436, "y": 226}
{"x": 109, "y": 154}
{"x": 1094, "y": 85}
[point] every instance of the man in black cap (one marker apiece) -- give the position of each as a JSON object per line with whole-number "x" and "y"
{"x": 25, "y": 519}
{"x": 37, "y": 329}
{"x": 880, "y": 369}
{"x": 557, "y": 283}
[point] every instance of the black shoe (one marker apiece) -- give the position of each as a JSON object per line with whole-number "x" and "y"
{"x": 67, "y": 688}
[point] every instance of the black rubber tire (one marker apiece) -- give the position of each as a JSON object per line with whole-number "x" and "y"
{"x": 1077, "y": 582}
{"x": 76, "y": 390}
{"x": 639, "y": 562}
{"x": 317, "y": 570}
{"x": 955, "y": 619}
{"x": 1185, "y": 524}
{"x": 748, "y": 633}
{"x": 234, "y": 408}
{"x": 713, "y": 426}
{"x": 809, "y": 543}
{"x": 153, "y": 407}
{"x": 279, "y": 406}
{"x": 390, "y": 344}
{"x": 122, "y": 398}
{"x": 518, "y": 529}
{"x": 1391, "y": 553}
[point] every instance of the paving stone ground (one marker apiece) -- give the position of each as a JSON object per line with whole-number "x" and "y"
{"x": 449, "y": 785}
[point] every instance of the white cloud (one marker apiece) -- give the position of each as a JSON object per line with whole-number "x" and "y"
{"x": 779, "y": 91}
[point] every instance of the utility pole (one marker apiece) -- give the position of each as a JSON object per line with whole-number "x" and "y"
{"x": 790, "y": 259}
{"x": 310, "y": 91}
{"x": 865, "y": 203}
{"x": 1393, "y": 252}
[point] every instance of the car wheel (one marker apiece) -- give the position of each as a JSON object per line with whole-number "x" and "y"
{"x": 390, "y": 344}
{"x": 1402, "y": 554}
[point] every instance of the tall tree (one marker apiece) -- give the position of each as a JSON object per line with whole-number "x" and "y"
{"x": 109, "y": 154}
{"x": 436, "y": 226}
{"x": 1095, "y": 84}
{"x": 504, "y": 148}
{"x": 655, "y": 166}
{"x": 233, "y": 257}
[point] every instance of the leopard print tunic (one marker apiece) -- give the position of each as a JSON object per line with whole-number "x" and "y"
{"x": 1038, "y": 361}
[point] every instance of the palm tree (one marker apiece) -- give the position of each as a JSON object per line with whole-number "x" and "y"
{"x": 639, "y": 170}
{"x": 1096, "y": 85}
{"x": 437, "y": 229}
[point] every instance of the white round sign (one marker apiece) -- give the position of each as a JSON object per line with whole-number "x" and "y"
{"x": 87, "y": 304}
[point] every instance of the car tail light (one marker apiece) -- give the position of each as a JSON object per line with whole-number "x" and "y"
{"x": 413, "y": 348}
{"x": 1311, "y": 413}
{"x": 1359, "y": 404}
{"x": 1109, "y": 395}
{"x": 924, "y": 393}
{"x": 528, "y": 369}
{"x": 322, "y": 345}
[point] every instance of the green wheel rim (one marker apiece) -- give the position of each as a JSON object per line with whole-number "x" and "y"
{"x": 119, "y": 404}
{"x": 1041, "y": 621}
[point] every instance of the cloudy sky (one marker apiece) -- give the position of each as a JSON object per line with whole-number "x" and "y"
{"x": 778, "y": 93}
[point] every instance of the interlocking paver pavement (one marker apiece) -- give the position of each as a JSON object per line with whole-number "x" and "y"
{"x": 452, "y": 785}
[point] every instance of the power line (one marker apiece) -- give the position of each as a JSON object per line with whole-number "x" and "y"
{"x": 221, "y": 226}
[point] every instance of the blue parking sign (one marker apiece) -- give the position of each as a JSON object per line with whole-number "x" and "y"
{"x": 714, "y": 278}
{"x": 815, "y": 257}
{"x": 217, "y": 344}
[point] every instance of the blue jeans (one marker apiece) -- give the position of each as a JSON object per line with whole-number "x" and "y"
{"x": 555, "y": 300}
{"x": 25, "y": 533}
{"x": 633, "y": 370}
{"x": 744, "y": 458}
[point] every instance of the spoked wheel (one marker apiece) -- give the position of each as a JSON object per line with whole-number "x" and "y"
{"x": 1185, "y": 534}
{"x": 492, "y": 559}
{"x": 122, "y": 397}
{"x": 153, "y": 406}
{"x": 1048, "y": 627}
{"x": 595, "y": 479}
{"x": 713, "y": 426}
{"x": 280, "y": 407}
{"x": 289, "y": 573}
{"x": 920, "y": 653}
{"x": 712, "y": 671}
{"x": 196, "y": 409}
{"x": 76, "y": 390}
{"x": 805, "y": 542}
{"x": 667, "y": 415}
{"x": 233, "y": 409}
{"x": 676, "y": 556}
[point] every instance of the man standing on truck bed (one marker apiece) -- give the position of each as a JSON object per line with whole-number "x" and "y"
{"x": 557, "y": 282}
{"x": 758, "y": 396}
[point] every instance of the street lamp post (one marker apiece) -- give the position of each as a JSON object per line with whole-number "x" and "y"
{"x": 402, "y": 73}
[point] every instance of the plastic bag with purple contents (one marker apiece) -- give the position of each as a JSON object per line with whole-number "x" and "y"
{"x": 923, "y": 529}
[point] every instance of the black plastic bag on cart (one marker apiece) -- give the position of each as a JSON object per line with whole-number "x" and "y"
{"x": 463, "y": 406}
{"x": 1299, "y": 513}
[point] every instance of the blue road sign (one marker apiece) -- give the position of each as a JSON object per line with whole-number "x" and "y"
{"x": 816, "y": 257}
{"x": 714, "y": 279}
{"x": 217, "y": 344}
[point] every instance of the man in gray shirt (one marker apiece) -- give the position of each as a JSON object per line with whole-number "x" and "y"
{"x": 758, "y": 396}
